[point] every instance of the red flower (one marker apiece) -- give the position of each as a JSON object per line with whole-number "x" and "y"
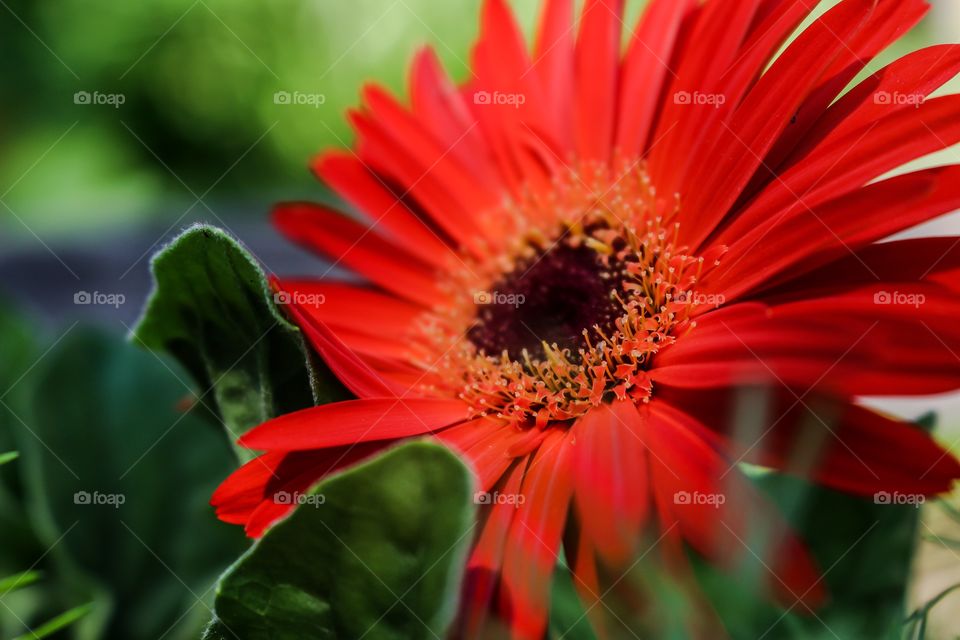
{"x": 585, "y": 267}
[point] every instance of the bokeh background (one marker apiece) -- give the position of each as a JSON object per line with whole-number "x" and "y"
{"x": 121, "y": 123}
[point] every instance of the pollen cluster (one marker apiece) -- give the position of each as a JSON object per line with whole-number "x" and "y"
{"x": 566, "y": 310}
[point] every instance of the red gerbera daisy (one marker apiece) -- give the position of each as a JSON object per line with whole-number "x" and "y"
{"x": 583, "y": 258}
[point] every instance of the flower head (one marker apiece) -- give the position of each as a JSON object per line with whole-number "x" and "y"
{"x": 584, "y": 261}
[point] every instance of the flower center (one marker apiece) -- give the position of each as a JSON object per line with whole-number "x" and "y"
{"x": 568, "y": 310}
{"x": 548, "y": 300}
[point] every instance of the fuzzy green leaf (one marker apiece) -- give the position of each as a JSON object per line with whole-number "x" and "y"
{"x": 213, "y": 309}
{"x": 379, "y": 556}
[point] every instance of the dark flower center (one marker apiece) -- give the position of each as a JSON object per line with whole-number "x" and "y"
{"x": 551, "y": 298}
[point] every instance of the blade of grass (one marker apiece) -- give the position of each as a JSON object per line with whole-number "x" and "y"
{"x": 56, "y": 624}
{"x": 18, "y": 581}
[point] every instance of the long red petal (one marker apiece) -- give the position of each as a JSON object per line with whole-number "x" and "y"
{"x": 611, "y": 479}
{"x": 358, "y": 247}
{"x": 531, "y": 555}
{"x": 597, "y": 60}
{"x": 354, "y": 421}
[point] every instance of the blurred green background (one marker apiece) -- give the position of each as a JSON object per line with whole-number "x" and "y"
{"x": 182, "y": 126}
{"x": 197, "y": 80}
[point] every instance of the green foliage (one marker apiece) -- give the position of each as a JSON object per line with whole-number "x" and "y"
{"x": 379, "y": 556}
{"x": 116, "y": 481}
{"x": 28, "y": 578}
{"x": 18, "y": 581}
{"x": 864, "y": 550}
{"x": 212, "y": 309}
{"x": 568, "y": 617}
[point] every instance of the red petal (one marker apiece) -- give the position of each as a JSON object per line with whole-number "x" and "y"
{"x": 597, "y": 61}
{"x": 719, "y": 513}
{"x": 763, "y": 115}
{"x": 793, "y": 243}
{"x": 899, "y": 263}
{"x": 346, "y": 175}
{"x": 483, "y": 567}
{"x": 356, "y": 374}
{"x": 646, "y": 70}
{"x": 903, "y": 85}
{"x": 840, "y": 166}
{"x": 490, "y": 455}
{"x": 715, "y": 40}
{"x": 249, "y": 495}
{"x": 354, "y": 421}
{"x": 413, "y": 171}
{"x": 349, "y": 306}
{"x": 441, "y": 109}
{"x": 831, "y": 441}
{"x": 531, "y": 555}
{"x": 554, "y": 64}
{"x": 849, "y": 344}
{"x": 888, "y": 23}
{"x": 611, "y": 482}
{"x": 359, "y": 248}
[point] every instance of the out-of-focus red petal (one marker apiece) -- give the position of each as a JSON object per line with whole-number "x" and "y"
{"x": 597, "y": 56}
{"x": 486, "y": 559}
{"x": 830, "y": 441}
{"x": 611, "y": 479}
{"x": 719, "y": 513}
{"x": 535, "y": 534}
{"x": 553, "y": 62}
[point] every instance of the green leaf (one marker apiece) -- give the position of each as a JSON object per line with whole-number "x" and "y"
{"x": 380, "y": 558}
{"x": 18, "y": 354}
{"x": 568, "y": 616}
{"x": 10, "y": 456}
{"x": 118, "y": 483}
{"x": 62, "y": 621}
{"x": 18, "y": 581}
{"x": 213, "y": 310}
